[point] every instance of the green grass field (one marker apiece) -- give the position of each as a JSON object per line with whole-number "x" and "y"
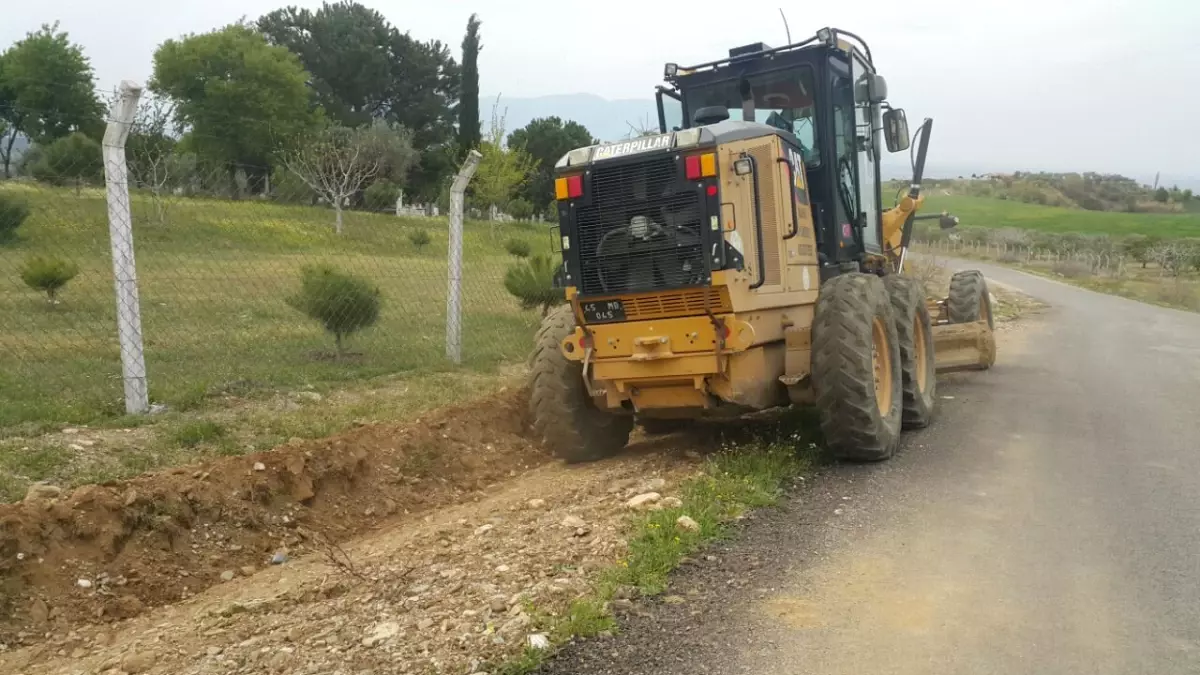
{"x": 996, "y": 213}
{"x": 213, "y": 281}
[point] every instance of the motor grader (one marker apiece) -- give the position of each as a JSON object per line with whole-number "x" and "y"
{"x": 727, "y": 265}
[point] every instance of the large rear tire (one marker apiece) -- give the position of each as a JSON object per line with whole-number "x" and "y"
{"x": 969, "y": 300}
{"x": 856, "y": 368}
{"x": 564, "y": 416}
{"x": 914, "y": 333}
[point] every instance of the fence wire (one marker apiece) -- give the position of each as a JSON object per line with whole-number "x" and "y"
{"x": 244, "y": 284}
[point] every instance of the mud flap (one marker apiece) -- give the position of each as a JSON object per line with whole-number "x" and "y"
{"x": 964, "y": 346}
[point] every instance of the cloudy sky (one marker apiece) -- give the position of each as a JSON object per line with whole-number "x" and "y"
{"x": 1042, "y": 84}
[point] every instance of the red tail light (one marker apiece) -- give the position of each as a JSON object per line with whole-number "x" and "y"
{"x": 691, "y": 166}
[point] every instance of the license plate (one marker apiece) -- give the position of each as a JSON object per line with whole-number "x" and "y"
{"x": 603, "y": 311}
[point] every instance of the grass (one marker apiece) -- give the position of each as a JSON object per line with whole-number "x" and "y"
{"x": 999, "y": 213}
{"x": 222, "y": 347}
{"x": 747, "y": 475}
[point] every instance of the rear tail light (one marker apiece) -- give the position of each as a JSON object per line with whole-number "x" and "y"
{"x": 570, "y": 187}
{"x": 700, "y": 166}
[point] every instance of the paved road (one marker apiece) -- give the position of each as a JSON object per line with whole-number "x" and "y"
{"x": 1049, "y": 522}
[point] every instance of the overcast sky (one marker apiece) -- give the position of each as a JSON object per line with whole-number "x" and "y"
{"x": 1052, "y": 84}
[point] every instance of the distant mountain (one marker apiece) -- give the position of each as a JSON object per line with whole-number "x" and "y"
{"x": 607, "y": 120}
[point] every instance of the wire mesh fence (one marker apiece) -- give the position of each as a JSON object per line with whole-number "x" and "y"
{"x": 247, "y": 281}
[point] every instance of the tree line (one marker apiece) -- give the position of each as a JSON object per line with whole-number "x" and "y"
{"x": 335, "y": 104}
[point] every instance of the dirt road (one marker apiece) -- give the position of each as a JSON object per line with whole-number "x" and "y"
{"x": 1049, "y": 522}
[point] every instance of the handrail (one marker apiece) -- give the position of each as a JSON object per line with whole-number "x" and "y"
{"x": 792, "y": 197}
{"x": 758, "y": 226}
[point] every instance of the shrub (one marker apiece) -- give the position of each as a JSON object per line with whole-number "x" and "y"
{"x": 381, "y": 196}
{"x": 48, "y": 274}
{"x": 288, "y": 188}
{"x": 419, "y": 238}
{"x": 73, "y": 159}
{"x": 1072, "y": 269}
{"x": 520, "y": 209}
{"x": 342, "y": 303}
{"x": 13, "y": 212}
{"x": 532, "y": 283}
{"x": 518, "y": 248}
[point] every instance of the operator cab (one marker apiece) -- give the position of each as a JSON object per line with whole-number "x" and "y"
{"x": 825, "y": 100}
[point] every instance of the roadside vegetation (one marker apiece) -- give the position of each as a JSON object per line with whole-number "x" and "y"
{"x": 750, "y": 473}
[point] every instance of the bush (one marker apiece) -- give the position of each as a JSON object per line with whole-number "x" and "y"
{"x": 518, "y": 248}
{"x": 48, "y": 274}
{"x": 381, "y": 196}
{"x": 73, "y": 159}
{"x": 288, "y": 188}
{"x": 419, "y": 238}
{"x": 1072, "y": 269}
{"x": 342, "y": 303}
{"x": 532, "y": 283}
{"x": 520, "y": 209}
{"x": 13, "y": 212}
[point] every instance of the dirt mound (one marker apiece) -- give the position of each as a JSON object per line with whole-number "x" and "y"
{"x": 107, "y": 552}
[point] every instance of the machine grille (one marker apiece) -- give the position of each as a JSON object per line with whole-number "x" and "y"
{"x": 641, "y": 230}
{"x": 764, "y": 156}
{"x": 687, "y": 302}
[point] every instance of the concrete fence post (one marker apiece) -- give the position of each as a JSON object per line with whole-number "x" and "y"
{"x": 120, "y": 232}
{"x": 454, "y": 263}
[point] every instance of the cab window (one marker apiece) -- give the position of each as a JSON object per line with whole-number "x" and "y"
{"x": 783, "y": 99}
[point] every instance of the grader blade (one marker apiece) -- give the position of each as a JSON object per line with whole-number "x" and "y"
{"x": 964, "y": 346}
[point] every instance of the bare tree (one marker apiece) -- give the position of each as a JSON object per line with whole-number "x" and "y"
{"x": 1173, "y": 257}
{"x": 151, "y": 151}
{"x": 338, "y": 162}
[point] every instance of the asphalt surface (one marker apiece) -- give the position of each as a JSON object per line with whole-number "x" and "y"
{"x": 1048, "y": 522}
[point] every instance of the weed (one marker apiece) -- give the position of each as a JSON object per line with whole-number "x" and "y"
{"x": 194, "y": 433}
{"x": 35, "y": 463}
{"x": 744, "y": 476}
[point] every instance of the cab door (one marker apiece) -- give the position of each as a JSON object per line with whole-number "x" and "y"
{"x": 867, "y": 164}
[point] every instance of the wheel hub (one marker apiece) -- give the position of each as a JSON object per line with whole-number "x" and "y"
{"x": 881, "y": 364}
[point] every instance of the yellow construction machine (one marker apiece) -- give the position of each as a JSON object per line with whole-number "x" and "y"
{"x": 732, "y": 265}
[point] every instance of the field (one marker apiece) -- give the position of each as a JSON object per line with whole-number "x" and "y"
{"x": 996, "y": 213}
{"x": 220, "y": 338}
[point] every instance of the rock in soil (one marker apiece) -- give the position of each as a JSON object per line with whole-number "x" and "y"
{"x": 643, "y": 501}
{"x": 687, "y": 523}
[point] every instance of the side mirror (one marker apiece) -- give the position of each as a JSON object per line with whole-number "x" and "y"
{"x": 895, "y": 130}
{"x": 948, "y": 222}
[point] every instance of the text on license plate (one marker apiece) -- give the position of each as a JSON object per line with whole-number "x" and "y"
{"x": 603, "y": 311}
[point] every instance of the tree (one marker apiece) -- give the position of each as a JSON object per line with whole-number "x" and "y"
{"x": 47, "y": 91}
{"x": 1172, "y": 256}
{"x": 341, "y": 302}
{"x": 363, "y": 69}
{"x": 338, "y": 162}
{"x": 469, "y": 134}
{"x": 502, "y": 170}
{"x": 150, "y": 151}
{"x": 346, "y": 47}
{"x": 48, "y": 274}
{"x": 546, "y": 140}
{"x": 13, "y": 212}
{"x": 238, "y": 95}
{"x": 1139, "y": 247}
{"x": 74, "y": 159}
{"x": 1161, "y": 195}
